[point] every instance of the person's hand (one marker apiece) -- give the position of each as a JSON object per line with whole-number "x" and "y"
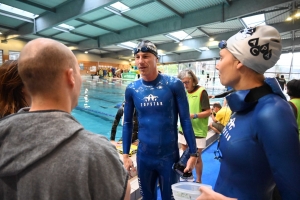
{"x": 212, "y": 116}
{"x": 128, "y": 164}
{"x": 190, "y": 164}
{"x": 208, "y": 194}
{"x": 211, "y": 96}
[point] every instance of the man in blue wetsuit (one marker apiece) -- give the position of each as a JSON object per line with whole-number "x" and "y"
{"x": 158, "y": 100}
{"x": 259, "y": 147}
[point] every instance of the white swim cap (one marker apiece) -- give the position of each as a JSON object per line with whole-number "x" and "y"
{"x": 257, "y": 48}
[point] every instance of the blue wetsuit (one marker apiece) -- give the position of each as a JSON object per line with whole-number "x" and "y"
{"x": 158, "y": 104}
{"x": 260, "y": 147}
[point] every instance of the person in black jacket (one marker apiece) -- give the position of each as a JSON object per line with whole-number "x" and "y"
{"x": 117, "y": 121}
{"x": 281, "y": 81}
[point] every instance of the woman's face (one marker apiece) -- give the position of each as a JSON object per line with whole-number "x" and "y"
{"x": 188, "y": 84}
{"x": 227, "y": 67}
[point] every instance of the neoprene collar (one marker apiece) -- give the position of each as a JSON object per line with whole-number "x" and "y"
{"x": 258, "y": 92}
{"x": 243, "y": 99}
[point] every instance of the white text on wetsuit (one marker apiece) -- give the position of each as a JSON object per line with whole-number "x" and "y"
{"x": 229, "y": 126}
{"x": 151, "y": 100}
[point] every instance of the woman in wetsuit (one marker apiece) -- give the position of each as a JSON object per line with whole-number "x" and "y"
{"x": 259, "y": 147}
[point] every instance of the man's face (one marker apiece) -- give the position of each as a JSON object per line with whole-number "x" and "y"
{"x": 146, "y": 63}
{"x": 227, "y": 67}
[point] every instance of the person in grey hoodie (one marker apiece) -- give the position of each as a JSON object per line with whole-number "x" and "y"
{"x": 44, "y": 152}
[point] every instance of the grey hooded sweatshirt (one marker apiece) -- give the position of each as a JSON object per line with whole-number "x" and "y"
{"x": 48, "y": 155}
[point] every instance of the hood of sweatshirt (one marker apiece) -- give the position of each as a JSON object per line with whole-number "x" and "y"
{"x": 26, "y": 137}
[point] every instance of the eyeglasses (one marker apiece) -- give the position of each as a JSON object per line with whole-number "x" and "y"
{"x": 222, "y": 44}
{"x": 144, "y": 49}
{"x": 186, "y": 82}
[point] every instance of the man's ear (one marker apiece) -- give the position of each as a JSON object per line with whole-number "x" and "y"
{"x": 70, "y": 76}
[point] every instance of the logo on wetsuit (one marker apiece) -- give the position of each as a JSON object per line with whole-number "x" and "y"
{"x": 229, "y": 126}
{"x": 151, "y": 100}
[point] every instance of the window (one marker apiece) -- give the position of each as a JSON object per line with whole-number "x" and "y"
{"x": 254, "y": 20}
{"x": 13, "y": 55}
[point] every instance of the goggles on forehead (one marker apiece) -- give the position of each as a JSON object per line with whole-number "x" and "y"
{"x": 144, "y": 49}
{"x": 222, "y": 44}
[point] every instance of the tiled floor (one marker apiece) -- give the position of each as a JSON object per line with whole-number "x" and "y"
{"x": 135, "y": 192}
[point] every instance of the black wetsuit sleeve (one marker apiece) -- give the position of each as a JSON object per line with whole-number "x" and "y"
{"x": 135, "y": 127}
{"x": 116, "y": 123}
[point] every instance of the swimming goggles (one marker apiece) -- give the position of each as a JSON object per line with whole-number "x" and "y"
{"x": 222, "y": 44}
{"x": 144, "y": 49}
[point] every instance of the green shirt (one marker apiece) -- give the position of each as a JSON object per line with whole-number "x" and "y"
{"x": 199, "y": 124}
{"x": 296, "y": 102}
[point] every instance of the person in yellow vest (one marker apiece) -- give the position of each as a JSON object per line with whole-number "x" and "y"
{"x": 221, "y": 119}
{"x": 293, "y": 90}
{"x": 100, "y": 73}
{"x": 199, "y": 112}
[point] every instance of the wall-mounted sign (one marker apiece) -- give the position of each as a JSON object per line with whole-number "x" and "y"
{"x": 93, "y": 69}
{"x": 130, "y": 76}
{"x": 13, "y": 55}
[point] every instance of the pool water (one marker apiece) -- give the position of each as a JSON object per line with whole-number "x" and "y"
{"x": 99, "y": 101}
{"x": 98, "y": 104}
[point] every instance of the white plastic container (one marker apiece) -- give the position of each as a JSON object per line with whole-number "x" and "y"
{"x": 187, "y": 190}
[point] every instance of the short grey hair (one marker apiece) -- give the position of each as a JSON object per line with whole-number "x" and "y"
{"x": 188, "y": 73}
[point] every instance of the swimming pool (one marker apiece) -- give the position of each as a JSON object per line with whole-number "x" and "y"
{"x": 97, "y": 103}
{"x": 99, "y": 100}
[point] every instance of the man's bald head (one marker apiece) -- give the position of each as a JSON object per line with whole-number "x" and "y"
{"x": 42, "y": 62}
